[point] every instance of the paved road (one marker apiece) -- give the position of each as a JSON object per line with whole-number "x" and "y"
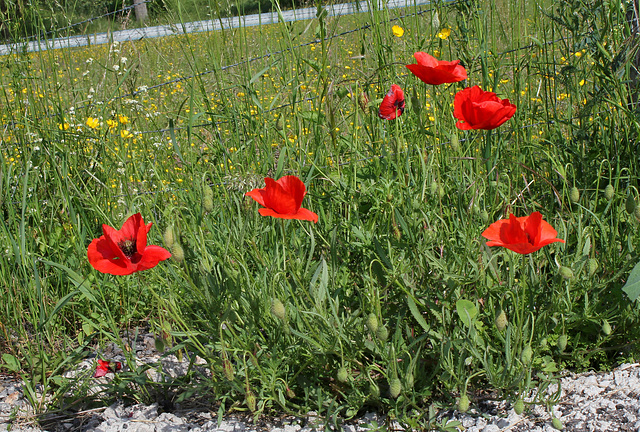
{"x": 201, "y": 26}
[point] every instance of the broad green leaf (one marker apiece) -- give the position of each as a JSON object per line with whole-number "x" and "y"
{"x": 10, "y": 362}
{"x": 467, "y": 311}
{"x": 632, "y": 287}
{"x": 416, "y": 313}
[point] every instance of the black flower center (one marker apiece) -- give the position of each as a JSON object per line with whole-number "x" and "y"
{"x": 128, "y": 247}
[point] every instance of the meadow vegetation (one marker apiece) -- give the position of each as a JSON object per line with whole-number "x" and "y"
{"x": 392, "y": 300}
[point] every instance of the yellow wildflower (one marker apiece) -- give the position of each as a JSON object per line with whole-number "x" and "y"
{"x": 125, "y": 134}
{"x": 93, "y": 122}
{"x": 444, "y": 33}
{"x": 397, "y": 31}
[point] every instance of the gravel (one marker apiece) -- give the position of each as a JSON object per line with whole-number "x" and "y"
{"x": 602, "y": 402}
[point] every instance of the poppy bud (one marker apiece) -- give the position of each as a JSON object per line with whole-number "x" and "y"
{"x": 455, "y": 142}
{"x": 374, "y": 390}
{"x": 463, "y": 403}
{"x": 556, "y": 423}
{"x": 526, "y": 355}
{"x": 227, "y": 368}
{"x": 207, "y": 200}
{"x": 177, "y": 253}
{"x": 363, "y": 101}
{"x": 561, "y": 343}
{"x": 342, "y": 375}
{"x": 574, "y": 195}
{"x": 372, "y": 323}
{"x": 434, "y": 187}
{"x": 608, "y": 192}
{"x": 592, "y": 264}
{"x": 484, "y": 216}
{"x": 636, "y": 213}
{"x": 409, "y": 380}
{"x": 440, "y": 191}
{"x": 606, "y": 327}
{"x": 280, "y": 123}
{"x": 519, "y": 406}
{"x": 395, "y": 387}
{"x": 630, "y": 205}
{"x": 169, "y": 236}
{"x": 278, "y": 310}
{"x": 251, "y": 400}
{"x": 565, "y": 272}
{"x": 501, "y": 321}
{"x": 382, "y": 334}
{"x": 290, "y": 393}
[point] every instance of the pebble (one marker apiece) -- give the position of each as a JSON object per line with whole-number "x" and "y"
{"x": 602, "y": 402}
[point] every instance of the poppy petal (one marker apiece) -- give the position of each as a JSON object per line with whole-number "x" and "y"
{"x": 278, "y": 199}
{"x": 293, "y": 186}
{"x": 151, "y": 257}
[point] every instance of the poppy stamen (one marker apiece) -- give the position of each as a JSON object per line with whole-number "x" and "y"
{"x": 128, "y": 247}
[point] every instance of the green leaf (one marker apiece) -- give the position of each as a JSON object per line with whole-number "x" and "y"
{"x": 10, "y": 362}
{"x": 416, "y": 313}
{"x": 262, "y": 72}
{"x": 632, "y": 287}
{"x": 467, "y": 311}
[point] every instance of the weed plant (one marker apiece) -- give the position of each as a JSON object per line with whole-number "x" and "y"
{"x": 392, "y": 301}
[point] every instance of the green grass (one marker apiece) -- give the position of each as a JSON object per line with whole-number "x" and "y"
{"x": 401, "y": 207}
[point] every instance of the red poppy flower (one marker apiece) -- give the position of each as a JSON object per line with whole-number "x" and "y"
{"x": 478, "y": 109}
{"x": 125, "y": 251}
{"x": 433, "y": 71}
{"x": 522, "y": 235}
{"x": 283, "y": 198}
{"x": 392, "y": 105}
{"x": 106, "y": 366}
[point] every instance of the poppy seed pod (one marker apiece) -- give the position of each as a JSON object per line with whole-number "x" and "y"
{"x": 608, "y": 192}
{"x": 463, "y": 403}
{"x": 395, "y": 387}
{"x": 227, "y": 368}
{"x": 574, "y": 195}
{"x": 290, "y": 393}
